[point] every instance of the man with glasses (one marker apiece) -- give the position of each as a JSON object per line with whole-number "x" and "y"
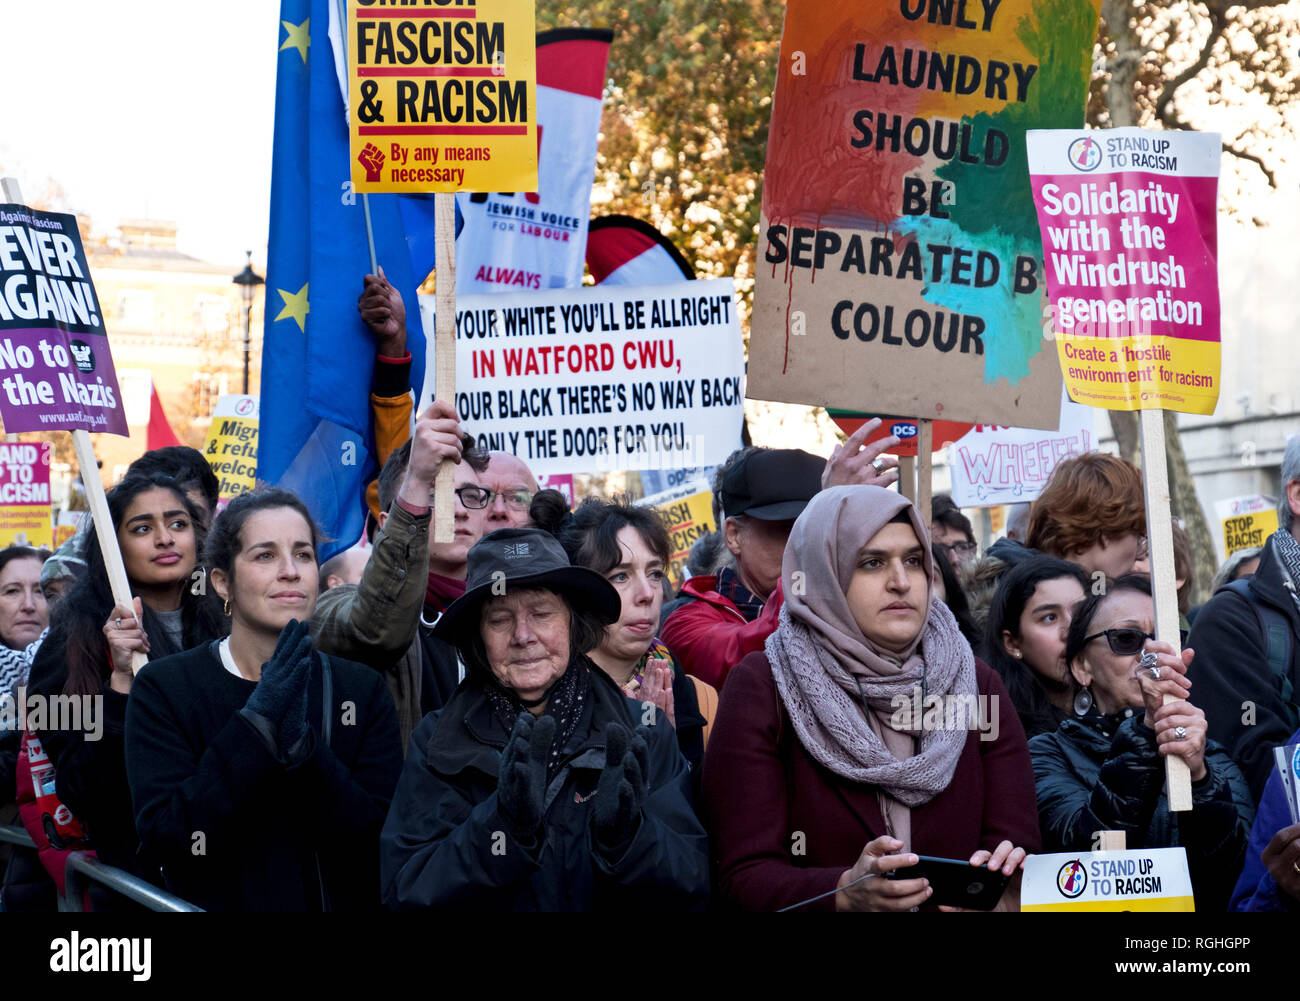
{"x": 512, "y": 485}
{"x": 386, "y": 621}
{"x": 952, "y": 530}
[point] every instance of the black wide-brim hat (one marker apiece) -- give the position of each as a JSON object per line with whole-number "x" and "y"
{"x": 519, "y": 558}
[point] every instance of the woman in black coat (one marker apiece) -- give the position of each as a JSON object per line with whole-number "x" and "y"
{"x": 536, "y": 787}
{"x": 261, "y": 771}
{"x": 1104, "y": 769}
{"x": 629, "y": 547}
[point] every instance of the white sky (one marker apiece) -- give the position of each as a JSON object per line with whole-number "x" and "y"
{"x": 147, "y": 109}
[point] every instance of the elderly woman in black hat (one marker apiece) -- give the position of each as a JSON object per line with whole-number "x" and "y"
{"x": 540, "y": 786}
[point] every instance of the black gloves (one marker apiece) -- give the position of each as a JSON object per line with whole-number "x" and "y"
{"x": 521, "y": 787}
{"x": 621, "y": 790}
{"x": 281, "y": 695}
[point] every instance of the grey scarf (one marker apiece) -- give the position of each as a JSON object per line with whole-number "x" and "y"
{"x": 843, "y": 691}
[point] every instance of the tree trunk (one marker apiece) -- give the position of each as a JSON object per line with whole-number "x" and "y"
{"x": 1120, "y": 88}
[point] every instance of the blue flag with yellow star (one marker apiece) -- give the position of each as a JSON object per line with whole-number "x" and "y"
{"x": 317, "y": 354}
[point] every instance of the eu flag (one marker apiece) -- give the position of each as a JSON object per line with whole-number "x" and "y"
{"x": 317, "y": 355}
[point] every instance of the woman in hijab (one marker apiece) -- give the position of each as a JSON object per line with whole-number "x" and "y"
{"x": 842, "y": 752}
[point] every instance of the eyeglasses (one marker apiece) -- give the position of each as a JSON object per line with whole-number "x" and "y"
{"x": 963, "y": 547}
{"x": 474, "y": 498}
{"x": 1127, "y": 641}
{"x": 517, "y": 499}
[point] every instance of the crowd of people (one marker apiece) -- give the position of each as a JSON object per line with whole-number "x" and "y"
{"x": 528, "y": 718}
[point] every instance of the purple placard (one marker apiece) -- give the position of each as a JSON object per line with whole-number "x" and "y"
{"x": 56, "y": 371}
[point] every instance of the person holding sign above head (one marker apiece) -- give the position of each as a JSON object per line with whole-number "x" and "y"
{"x": 1091, "y": 513}
{"x": 629, "y": 547}
{"x": 261, "y": 770}
{"x": 865, "y": 733}
{"x": 718, "y": 620}
{"x": 1103, "y": 769}
{"x": 89, "y": 650}
{"x": 386, "y": 620}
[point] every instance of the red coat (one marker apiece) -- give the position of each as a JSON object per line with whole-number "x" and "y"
{"x": 782, "y": 828}
{"x": 709, "y": 636}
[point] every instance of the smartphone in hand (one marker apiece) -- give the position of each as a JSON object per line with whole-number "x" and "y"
{"x": 957, "y": 883}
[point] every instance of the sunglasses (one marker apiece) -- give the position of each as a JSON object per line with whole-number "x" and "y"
{"x": 1128, "y": 641}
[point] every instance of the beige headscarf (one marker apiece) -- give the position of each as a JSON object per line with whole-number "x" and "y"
{"x": 838, "y": 686}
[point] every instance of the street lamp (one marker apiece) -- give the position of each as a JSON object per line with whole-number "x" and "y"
{"x": 247, "y": 280}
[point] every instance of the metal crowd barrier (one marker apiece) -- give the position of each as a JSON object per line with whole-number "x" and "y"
{"x": 82, "y": 868}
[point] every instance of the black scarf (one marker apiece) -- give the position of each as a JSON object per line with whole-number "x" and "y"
{"x": 565, "y": 701}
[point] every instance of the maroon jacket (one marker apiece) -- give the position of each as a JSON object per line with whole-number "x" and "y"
{"x": 761, "y": 789}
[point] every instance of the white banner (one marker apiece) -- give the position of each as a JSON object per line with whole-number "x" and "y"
{"x": 1004, "y": 465}
{"x": 599, "y": 379}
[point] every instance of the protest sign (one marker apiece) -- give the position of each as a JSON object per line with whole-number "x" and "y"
{"x": 442, "y": 96}
{"x": 562, "y": 483}
{"x": 1247, "y": 521}
{"x": 1004, "y": 465}
{"x": 25, "y": 513}
{"x": 56, "y": 372}
{"x": 1139, "y": 879}
{"x": 1129, "y": 230}
{"x": 601, "y": 379}
{"x": 525, "y": 241}
{"x": 687, "y": 512}
{"x": 1287, "y": 760}
{"x": 907, "y": 429}
{"x": 231, "y": 445}
{"x": 898, "y": 259}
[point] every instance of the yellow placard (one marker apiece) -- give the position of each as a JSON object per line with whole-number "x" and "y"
{"x": 1141, "y": 372}
{"x": 688, "y": 515}
{"x": 231, "y": 445}
{"x": 1132, "y": 904}
{"x": 1248, "y": 531}
{"x": 442, "y": 95}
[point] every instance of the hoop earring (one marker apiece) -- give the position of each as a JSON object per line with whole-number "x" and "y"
{"x": 226, "y": 607}
{"x": 1082, "y": 702}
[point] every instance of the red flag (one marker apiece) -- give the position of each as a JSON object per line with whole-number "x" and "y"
{"x": 622, "y": 250}
{"x": 160, "y": 432}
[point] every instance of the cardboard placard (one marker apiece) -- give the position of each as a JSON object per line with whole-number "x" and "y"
{"x": 56, "y": 371}
{"x": 1139, "y": 879}
{"x": 1130, "y": 234}
{"x": 443, "y": 96}
{"x": 899, "y": 257}
{"x": 600, "y": 379}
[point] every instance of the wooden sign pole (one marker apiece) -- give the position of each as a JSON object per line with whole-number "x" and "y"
{"x": 444, "y": 208}
{"x": 925, "y": 460}
{"x": 1160, "y": 542}
{"x": 89, "y": 469}
{"x": 907, "y": 476}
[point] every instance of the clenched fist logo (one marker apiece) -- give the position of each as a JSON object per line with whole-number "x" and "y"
{"x": 372, "y": 158}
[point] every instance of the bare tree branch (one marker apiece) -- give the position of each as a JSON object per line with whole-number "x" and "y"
{"x": 1244, "y": 155}
{"x": 1164, "y": 110}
